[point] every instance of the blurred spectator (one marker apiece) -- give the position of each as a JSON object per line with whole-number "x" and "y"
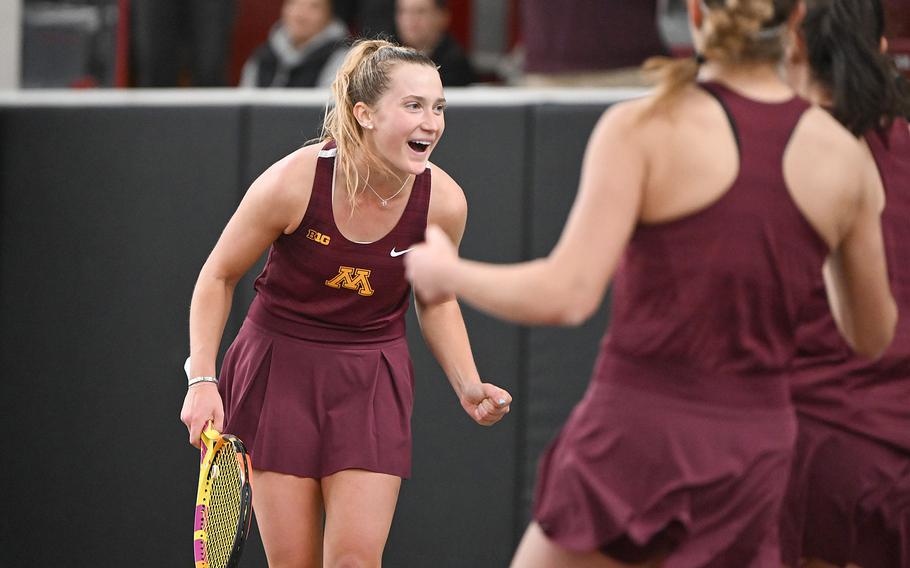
{"x": 423, "y": 25}
{"x": 368, "y": 18}
{"x": 181, "y": 39}
{"x": 304, "y": 49}
{"x": 588, "y": 43}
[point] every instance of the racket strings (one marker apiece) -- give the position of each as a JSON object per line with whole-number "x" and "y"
{"x": 224, "y": 507}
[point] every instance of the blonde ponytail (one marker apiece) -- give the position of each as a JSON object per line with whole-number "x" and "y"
{"x": 672, "y": 76}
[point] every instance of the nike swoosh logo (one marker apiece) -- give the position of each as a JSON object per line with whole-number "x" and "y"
{"x": 393, "y": 253}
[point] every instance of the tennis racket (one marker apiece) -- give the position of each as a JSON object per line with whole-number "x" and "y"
{"x": 224, "y": 498}
{"x": 224, "y": 501}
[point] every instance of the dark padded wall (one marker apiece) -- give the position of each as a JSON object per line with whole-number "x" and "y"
{"x": 559, "y": 359}
{"x": 107, "y": 215}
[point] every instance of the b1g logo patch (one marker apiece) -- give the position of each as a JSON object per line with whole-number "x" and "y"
{"x": 315, "y": 235}
{"x": 349, "y": 278}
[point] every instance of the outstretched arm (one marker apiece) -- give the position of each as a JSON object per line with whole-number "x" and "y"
{"x": 567, "y": 286}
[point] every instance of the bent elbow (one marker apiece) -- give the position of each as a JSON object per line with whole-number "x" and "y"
{"x": 568, "y": 300}
{"x": 874, "y": 342}
{"x": 219, "y": 276}
{"x": 574, "y": 313}
{"x": 870, "y": 349}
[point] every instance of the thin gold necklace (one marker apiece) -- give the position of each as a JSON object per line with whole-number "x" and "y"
{"x": 384, "y": 201}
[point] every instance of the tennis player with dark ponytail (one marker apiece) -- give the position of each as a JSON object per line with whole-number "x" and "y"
{"x": 849, "y": 494}
{"x": 319, "y": 383}
{"x": 713, "y": 207}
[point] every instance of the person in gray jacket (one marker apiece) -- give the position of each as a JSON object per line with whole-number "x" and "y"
{"x": 304, "y": 49}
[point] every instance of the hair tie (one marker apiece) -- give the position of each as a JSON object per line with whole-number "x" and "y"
{"x": 769, "y": 33}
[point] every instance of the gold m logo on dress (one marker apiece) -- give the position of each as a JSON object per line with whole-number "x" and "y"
{"x": 349, "y": 278}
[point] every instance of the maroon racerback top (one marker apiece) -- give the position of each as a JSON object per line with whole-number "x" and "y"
{"x": 318, "y": 285}
{"x": 708, "y": 303}
{"x": 830, "y": 382}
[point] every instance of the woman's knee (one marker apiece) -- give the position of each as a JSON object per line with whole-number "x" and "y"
{"x": 354, "y": 558}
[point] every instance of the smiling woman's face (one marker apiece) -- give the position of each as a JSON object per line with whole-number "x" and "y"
{"x": 409, "y": 119}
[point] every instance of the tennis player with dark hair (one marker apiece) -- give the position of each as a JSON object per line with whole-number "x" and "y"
{"x": 319, "y": 383}
{"x": 713, "y": 206}
{"x": 849, "y": 495}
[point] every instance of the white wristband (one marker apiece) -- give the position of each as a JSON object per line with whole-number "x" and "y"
{"x": 197, "y": 380}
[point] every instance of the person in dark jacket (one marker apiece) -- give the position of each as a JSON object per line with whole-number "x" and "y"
{"x": 304, "y": 49}
{"x": 422, "y": 24}
{"x": 368, "y": 18}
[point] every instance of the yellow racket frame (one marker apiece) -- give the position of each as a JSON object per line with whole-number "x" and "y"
{"x": 212, "y": 445}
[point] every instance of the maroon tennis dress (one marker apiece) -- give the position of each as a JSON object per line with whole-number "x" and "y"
{"x": 682, "y": 442}
{"x": 319, "y": 378}
{"x": 849, "y": 495}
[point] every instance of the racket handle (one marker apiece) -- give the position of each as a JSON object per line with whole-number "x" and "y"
{"x": 210, "y": 432}
{"x": 208, "y": 437}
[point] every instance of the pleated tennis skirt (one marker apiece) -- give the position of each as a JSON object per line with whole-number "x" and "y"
{"x": 312, "y": 409}
{"x": 848, "y": 500}
{"x": 651, "y": 453}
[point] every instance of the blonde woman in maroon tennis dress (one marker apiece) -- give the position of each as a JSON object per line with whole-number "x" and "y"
{"x": 319, "y": 383}
{"x": 712, "y": 206}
